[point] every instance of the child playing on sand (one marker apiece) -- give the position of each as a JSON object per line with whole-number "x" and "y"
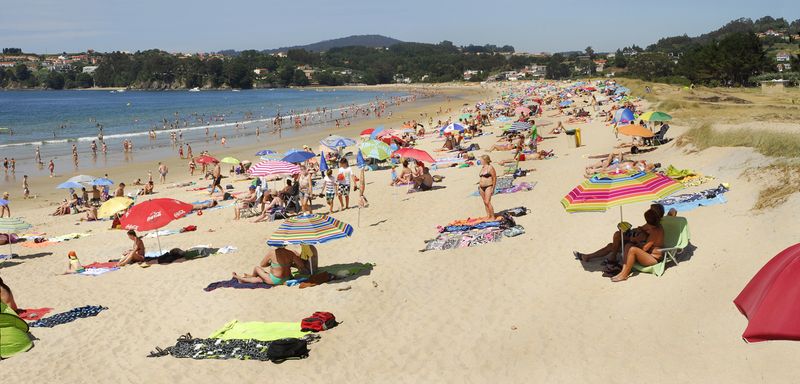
{"x": 74, "y": 265}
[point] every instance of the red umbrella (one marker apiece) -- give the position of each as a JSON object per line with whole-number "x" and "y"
{"x": 416, "y": 154}
{"x": 524, "y": 110}
{"x": 367, "y": 131}
{"x": 205, "y": 159}
{"x": 154, "y": 214}
{"x": 769, "y": 301}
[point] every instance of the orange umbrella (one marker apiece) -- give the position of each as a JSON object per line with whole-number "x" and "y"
{"x": 635, "y": 130}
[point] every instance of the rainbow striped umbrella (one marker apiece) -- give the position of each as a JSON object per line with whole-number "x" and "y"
{"x": 309, "y": 229}
{"x": 273, "y": 168}
{"x": 604, "y": 191}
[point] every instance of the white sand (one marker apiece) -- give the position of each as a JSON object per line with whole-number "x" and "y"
{"x": 522, "y": 310}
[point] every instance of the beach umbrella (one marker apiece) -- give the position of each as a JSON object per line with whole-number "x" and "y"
{"x": 519, "y": 126}
{"x": 309, "y": 229}
{"x": 298, "y": 156}
{"x": 603, "y": 191}
{"x": 323, "y": 164}
{"x": 635, "y": 130}
{"x": 623, "y": 116}
{"x": 453, "y": 127}
{"x": 465, "y": 116}
{"x": 205, "y": 159}
{"x": 229, "y": 160}
{"x": 336, "y": 141}
{"x": 524, "y": 110}
{"x": 69, "y": 185}
{"x": 114, "y": 205}
{"x": 265, "y": 152}
{"x": 565, "y": 103}
{"x": 376, "y": 131}
{"x": 13, "y": 225}
{"x": 367, "y": 132}
{"x": 413, "y": 153}
{"x": 360, "y": 160}
{"x": 655, "y": 116}
{"x": 375, "y": 149}
{"x": 273, "y": 168}
{"x": 102, "y": 182}
{"x": 769, "y": 300}
{"x": 154, "y": 214}
{"x": 82, "y": 179}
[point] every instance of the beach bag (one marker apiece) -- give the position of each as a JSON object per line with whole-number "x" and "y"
{"x": 517, "y": 211}
{"x": 519, "y": 172}
{"x": 281, "y": 350}
{"x": 319, "y": 321}
{"x": 514, "y": 231}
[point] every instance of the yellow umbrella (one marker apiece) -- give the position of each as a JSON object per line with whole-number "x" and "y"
{"x": 113, "y": 206}
{"x": 655, "y": 116}
{"x": 635, "y": 130}
{"x": 229, "y": 160}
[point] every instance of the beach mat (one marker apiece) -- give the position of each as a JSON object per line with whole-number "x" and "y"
{"x": 232, "y": 283}
{"x": 33, "y": 314}
{"x": 109, "y": 264}
{"x": 261, "y": 331}
{"x": 69, "y": 316}
{"x": 96, "y": 271}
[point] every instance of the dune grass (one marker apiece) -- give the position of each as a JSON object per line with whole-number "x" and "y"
{"x": 765, "y": 142}
{"x": 785, "y": 182}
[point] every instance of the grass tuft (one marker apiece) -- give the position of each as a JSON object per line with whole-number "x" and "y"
{"x": 785, "y": 178}
{"x": 765, "y": 142}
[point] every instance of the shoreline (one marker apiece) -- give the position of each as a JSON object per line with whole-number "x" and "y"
{"x": 136, "y": 164}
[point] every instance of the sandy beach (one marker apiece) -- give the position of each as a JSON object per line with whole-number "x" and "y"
{"x": 519, "y": 310}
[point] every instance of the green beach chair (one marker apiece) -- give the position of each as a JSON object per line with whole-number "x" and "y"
{"x": 676, "y": 239}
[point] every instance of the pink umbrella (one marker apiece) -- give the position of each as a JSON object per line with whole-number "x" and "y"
{"x": 524, "y": 110}
{"x": 416, "y": 154}
{"x": 273, "y": 168}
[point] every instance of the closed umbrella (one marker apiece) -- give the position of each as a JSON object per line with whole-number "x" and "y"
{"x": 12, "y": 225}
{"x": 360, "y": 161}
{"x": 113, "y": 206}
{"x": 519, "y": 126}
{"x": 323, "y": 164}
{"x": 154, "y": 214}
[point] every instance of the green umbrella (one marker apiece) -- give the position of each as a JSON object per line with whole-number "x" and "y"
{"x": 9, "y": 225}
{"x": 375, "y": 149}
{"x": 656, "y": 116}
{"x": 465, "y": 116}
{"x": 229, "y": 160}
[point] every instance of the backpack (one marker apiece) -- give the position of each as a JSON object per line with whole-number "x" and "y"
{"x": 517, "y": 211}
{"x": 283, "y": 349}
{"x": 319, "y": 321}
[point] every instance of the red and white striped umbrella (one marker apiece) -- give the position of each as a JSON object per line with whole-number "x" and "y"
{"x": 273, "y": 168}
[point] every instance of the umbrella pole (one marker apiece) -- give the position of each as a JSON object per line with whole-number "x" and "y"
{"x": 621, "y": 237}
{"x": 158, "y": 239}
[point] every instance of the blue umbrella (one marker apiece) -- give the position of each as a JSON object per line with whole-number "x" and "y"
{"x": 102, "y": 181}
{"x": 453, "y": 127}
{"x": 335, "y": 141}
{"x": 623, "y": 116}
{"x": 323, "y": 165}
{"x": 265, "y": 152}
{"x": 360, "y": 160}
{"x": 375, "y": 133}
{"x": 565, "y": 103}
{"x": 69, "y": 185}
{"x": 298, "y": 156}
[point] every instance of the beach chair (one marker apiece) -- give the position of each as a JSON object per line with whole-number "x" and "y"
{"x": 676, "y": 239}
{"x": 658, "y": 138}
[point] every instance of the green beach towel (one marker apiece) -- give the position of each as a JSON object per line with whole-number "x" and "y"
{"x": 13, "y": 333}
{"x": 235, "y": 330}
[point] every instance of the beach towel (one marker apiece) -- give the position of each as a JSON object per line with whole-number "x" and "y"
{"x": 31, "y": 244}
{"x": 33, "y": 314}
{"x": 523, "y": 186}
{"x": 232, "y": 283}
{"x": 690, "y": 201}
{"x": 471, "y": 238}
{"x": 236, "y": 330}
{"x": 200, "y": 349}
{"x": 68, "y": 237}
{"x": 69, "y": 316}
{"x": 96, "y": 271}
{"x": 110, "y": 264}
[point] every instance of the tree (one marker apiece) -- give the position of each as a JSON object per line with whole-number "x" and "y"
{"x": 619, "y": 59}
{"x": 649, "y": 65}
{"x": 22, "y": 73}
{"x": 55, "y": 80}
{"x": 556, "y": 68}
{"x": 237, "y": 75}
{"x": 299, "y": 78}
{"x": 84, "y": 80}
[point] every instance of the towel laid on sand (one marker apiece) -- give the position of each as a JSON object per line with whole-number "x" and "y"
{"x": 69, "y": 316}
{"x": 232, "y": 283}
{"x": 96, "y": 271}
{"x": 68, "y": 237}
{"x": 33, "y": 314}
{"x": 523, "y": 186}
{"x": 110, "y": 264}
{"x": 261, "y": 331}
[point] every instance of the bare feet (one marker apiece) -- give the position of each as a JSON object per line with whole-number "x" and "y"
{"x": 618, "y": 278}
{"x": 236, "y": 276}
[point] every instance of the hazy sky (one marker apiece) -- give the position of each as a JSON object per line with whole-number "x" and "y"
{"x": 204, "y": 25}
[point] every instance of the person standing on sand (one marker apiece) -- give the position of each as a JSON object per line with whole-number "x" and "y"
{"x": 180, "y": 151}
{"x": 192, "y": 166}
{"x": 188, "y": 150}
{"x": 13, "y": 165}
{"x": 487, "y": 183}
{"x": 343, "y": 179}
{"x": 217, "y": 173}
{"x": 75, "y": 155}
{"x": 51, "y": 167}
{"x": 162, "y": 171}
{"x": 26, "y": 191}
{"x": 5, "y": 209}
{"x": 120, "y": 192}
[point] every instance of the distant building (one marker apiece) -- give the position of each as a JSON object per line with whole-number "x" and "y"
{"x": 469, "y": 73}
{"x": 307, "y": 70}
{"x": 89, "y": 69}
{"x": 7, "y": 64}
{"x": 783, "y": 57}
{"x": 784, "y": 67}
{"x": 261, "y": 71}
{"x": 600, "y": 64}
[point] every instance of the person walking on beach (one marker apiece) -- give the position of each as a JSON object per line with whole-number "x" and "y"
{"x": 51, "y": 167}
{"x": 13, "y": 164}
{"x": 162, "y": 171}
{"x": 26, "y": 191}
{"x": 104, "y": 148}
{"x": 343, "y": 179}
{"x": 180, "y": 151}
{"x": 75, "y": 155}
{"x": 189, "y": 151}
{"x": 487, "y": 183}
{"x": 217, "y": 173}
{"x": 192, "y": 166}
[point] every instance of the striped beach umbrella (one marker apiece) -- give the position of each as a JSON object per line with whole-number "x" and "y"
{"x": 520, "y": 126}
{"x": 9, "y": 225}
{"x": 604, "y": 191}
{"x": 309, "y": 229}
{"x": 453, "y": 127}
{"x": 375, "y": 149}
{"x": 273, "y": 168}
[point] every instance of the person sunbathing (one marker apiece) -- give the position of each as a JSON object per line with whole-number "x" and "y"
{"x": 244, "y": 203}
{"x": 135, "y": 254}
{"x": 275, "y": 204}
{"x": 424, "y": 182}
{"x": 148, "y": 189}
{"x": 511, "y": 143}
{"x": 610, "y": 159}
{"x": 6, "y": 297}
{"x": 91, "y": 214}
{"x": 274, "y": 269}
{"x": 206, "y": 205}
{"x": 558, "y": 129}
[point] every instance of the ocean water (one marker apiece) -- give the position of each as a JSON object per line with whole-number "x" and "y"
{"x": 55, "y": 120}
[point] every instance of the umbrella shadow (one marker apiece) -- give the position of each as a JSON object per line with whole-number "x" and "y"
{"x": 365, "y": 269}
{"x": 7, "y": 264}
{"x": 34, "y": 256}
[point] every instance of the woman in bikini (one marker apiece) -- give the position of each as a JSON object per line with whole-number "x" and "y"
{"x": 488, "y": 180}
{"x": 274, "y": 269}
{"x": 646, "y": 252}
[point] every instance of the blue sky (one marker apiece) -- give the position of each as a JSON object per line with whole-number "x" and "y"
{"x": 204, "y": 25}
